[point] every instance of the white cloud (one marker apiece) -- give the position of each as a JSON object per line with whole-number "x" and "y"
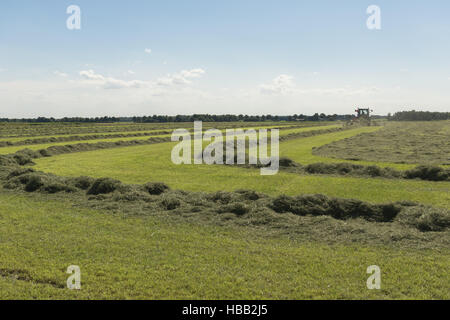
{"x": 109, "y": 82}
{"x": 282, "y": 84}
{"x": 285, "y": 85}
{"x": 82, "y": 97}
{"x": 91, "y": 75}
{"x": 147, "y": 50}
{"x": 85, "y": 96}
{"x": 181, "y": 77}
{"x": 61, "y": 74}
{"x": 194, "y": 73}
{"x": 131, "y": 72}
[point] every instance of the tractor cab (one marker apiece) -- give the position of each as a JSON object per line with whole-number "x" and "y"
{"x": 363, "y": 113}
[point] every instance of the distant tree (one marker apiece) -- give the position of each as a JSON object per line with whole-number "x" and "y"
{"x": 419, "y": 116}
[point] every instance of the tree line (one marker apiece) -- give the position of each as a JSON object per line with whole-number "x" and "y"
{"x": 419, "y": 116}
{"x": 398, "y": 116}
{"x": 188, "y": 118}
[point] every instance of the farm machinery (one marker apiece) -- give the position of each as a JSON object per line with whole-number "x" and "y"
{"x": 362, "y": 117}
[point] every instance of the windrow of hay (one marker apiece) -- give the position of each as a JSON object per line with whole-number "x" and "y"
{"x": 16, "y": 130}
{"x": 80, "y": 138}
{"x": 158, "y": 196}
{"x": 122, "y": 132}
{"x": 421, "y": 172}
{"x": 26, "y": 156}
{"x": 305, "y": 134}
{"x": 343, "y": 209}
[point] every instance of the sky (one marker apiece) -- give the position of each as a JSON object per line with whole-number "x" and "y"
{"x": 208, "y": 56}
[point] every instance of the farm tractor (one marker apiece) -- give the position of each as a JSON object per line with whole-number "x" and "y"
{"x": 362, "y": 117}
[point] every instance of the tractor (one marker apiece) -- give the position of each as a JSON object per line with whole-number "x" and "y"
{"x": 362, "y": 117}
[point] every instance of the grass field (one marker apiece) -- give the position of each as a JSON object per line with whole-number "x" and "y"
{"x": 12, "y": 149}
{"x": 141, "y": 164}
{"x": 106, "y": 134}
{"x": 417, "y": 142}
{"x": 129, "y": 247}
{"x": 152, "y": 258}
{"x": 225, "y": 154}
{"x": 14, "y": 130}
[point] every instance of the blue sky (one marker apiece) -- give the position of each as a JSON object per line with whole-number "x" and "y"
{"x": 253, "y": 57}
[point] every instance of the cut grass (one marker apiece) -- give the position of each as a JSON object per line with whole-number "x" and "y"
{"x": 152, "y": 163}
{"x": 14, "y": 130}
{"x": 152, "y": 258}
{"x": 13, "y": 149}
{"x": 106, "y": 134}
{"x": 411, "y": 142}
{"x": 300, "y": 150}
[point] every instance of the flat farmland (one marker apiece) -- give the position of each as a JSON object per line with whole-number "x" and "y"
{"x": 141, "y": 164}
{"x": 154, "y": 258}
{"x": 410, "y": 143}
{"x": 225, "y": 150}
{"x": 15, "y": 130}
{"x": 156, "y": 230}
{"x": 37, "y": 146}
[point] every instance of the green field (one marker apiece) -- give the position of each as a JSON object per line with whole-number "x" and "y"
{"x": 132, "y": 245}
{"x": 141, "y": 164}
{"x": 19, "y": 130}
{"x": 151, "y": 258}
{"x": 106, "y": 134}
{"x": 224, "y": 159}
{"x": 417, "y": 142}
{"x": 12, "y": 149}
{"x": 302, "y": 151}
